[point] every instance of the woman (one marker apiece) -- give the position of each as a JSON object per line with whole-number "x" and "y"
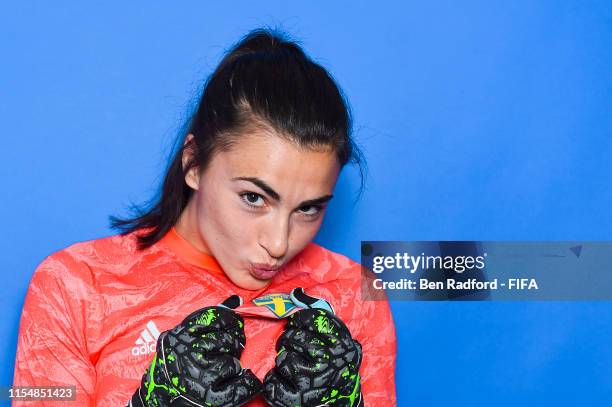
{"x": 240, "y": 204}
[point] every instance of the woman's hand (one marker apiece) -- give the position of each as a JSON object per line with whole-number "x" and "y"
{"x": 317, "y": 362}
{"x": 197, "y": 363}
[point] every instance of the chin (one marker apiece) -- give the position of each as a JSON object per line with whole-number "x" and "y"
{"x": 250, "y": 283}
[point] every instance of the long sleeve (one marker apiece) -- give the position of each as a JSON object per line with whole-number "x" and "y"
{"x": 371, "y": 323}
{"x": 379, "y": 343}
{"x": 52, "y": 345}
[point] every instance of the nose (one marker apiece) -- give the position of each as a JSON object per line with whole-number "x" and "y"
{"x": 274, "y": 237}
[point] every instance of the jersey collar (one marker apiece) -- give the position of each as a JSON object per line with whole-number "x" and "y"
{"x": 182, "y": 248}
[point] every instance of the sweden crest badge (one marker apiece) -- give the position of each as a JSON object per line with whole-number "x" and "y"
{"x": 280, "y": 304}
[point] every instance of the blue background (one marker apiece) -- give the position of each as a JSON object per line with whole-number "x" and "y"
{"x": 480, "y": 120}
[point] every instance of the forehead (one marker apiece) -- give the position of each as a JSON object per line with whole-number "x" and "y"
{"x": 279, "y": 162}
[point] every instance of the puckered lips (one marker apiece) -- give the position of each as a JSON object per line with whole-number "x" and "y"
{"x": 263, "y": 271}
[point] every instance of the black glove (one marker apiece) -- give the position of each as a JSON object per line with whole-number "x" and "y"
{"x": 197, "y": 362}
{"x": 317, "y": 362}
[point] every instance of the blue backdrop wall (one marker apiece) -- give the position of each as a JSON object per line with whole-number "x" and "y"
{"x": 480, "y": 120}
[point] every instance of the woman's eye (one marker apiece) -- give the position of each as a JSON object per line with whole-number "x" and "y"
{"x": 253, "y": 199}
{"x": 310, "y": 210}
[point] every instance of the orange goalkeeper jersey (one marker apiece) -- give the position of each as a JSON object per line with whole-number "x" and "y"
{"x": 94, "y": 310}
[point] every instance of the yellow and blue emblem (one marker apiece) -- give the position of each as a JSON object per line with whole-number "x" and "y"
{"x": 280, "y": 304}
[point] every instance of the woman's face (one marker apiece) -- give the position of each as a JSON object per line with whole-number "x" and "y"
{"x": 258, "y": 205}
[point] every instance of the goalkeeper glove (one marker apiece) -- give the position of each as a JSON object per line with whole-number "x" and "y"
{"x": 197, "y": 362}
{"x": 317, "y": 362}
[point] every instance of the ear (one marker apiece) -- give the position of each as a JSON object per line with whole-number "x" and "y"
{"x": 192, "y": 177}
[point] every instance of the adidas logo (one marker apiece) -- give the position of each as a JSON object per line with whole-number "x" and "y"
{"x": 145, "y": 344}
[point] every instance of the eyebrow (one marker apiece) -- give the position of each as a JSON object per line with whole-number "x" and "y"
{"x": 274, "y": 195}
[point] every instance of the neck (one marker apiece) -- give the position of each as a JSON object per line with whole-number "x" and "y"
{"x": 187, "y": 227}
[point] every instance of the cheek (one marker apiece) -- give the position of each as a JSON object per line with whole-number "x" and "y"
{"x": 302, "y": 234}
{"x": 222, "y": 222}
